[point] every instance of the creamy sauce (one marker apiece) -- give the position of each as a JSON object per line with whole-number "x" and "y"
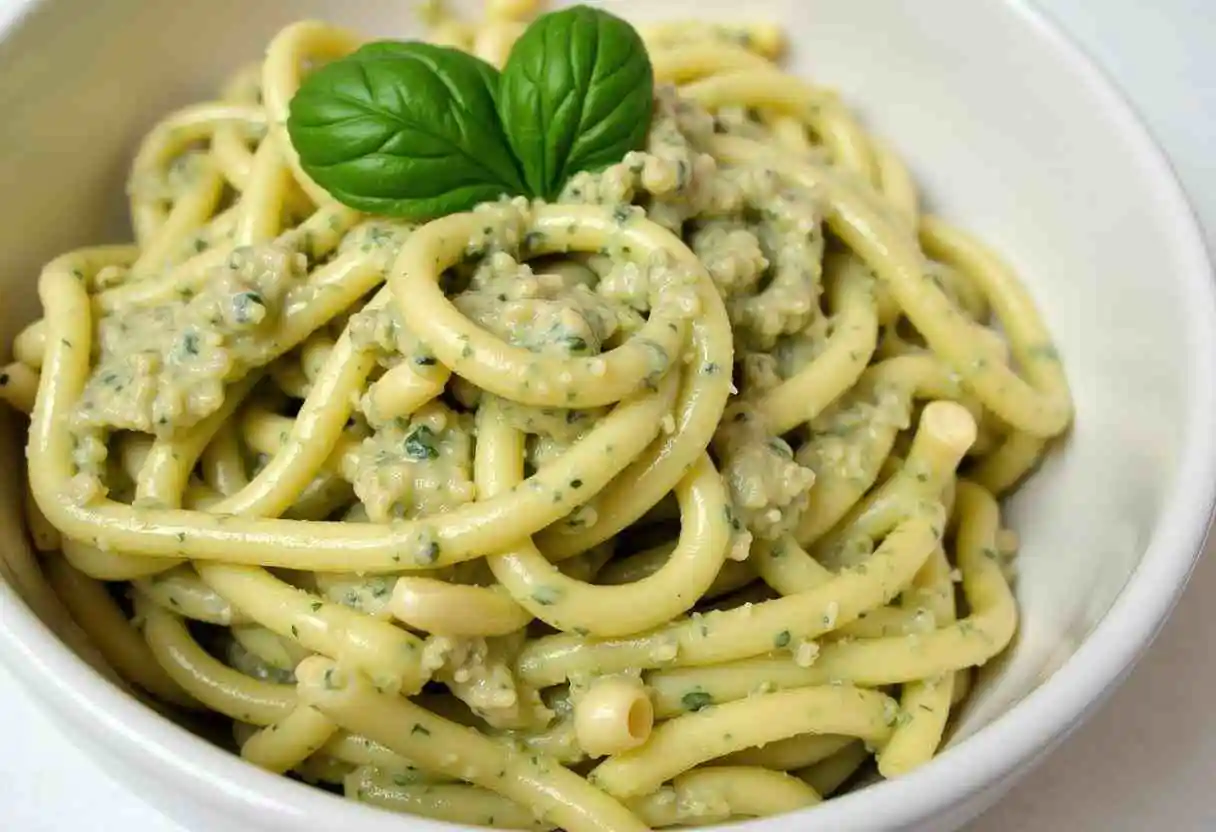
{"x": 417, "y": 467}
{"x": 164, "y": 367}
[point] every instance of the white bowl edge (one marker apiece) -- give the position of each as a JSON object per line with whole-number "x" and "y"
{"x": 1013, "y": 740}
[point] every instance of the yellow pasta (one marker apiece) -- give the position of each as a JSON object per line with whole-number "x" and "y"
{"x": 120, "y": 643}
{"x": 219, "y": 687}
{"x": 45, "y": 537}
{"x": 182, "y": 592}
{"x": 789, "y": 754}
{"x": 638, "y": 506}
{"x": 456, "y": 610}
{"x": 682, "y": 743}
{"x": 926, "y": 702}
{"x": 615, "y": 715}
{"x": 560, "y": 795}
{"x": 459, "y": 804}
{"x": 290, "y": 741}
{"x": 826, "y": 776}
{"x": 744, "y": 631}
{"x": 273, "y": 650}
{"x": 720, "y": 794}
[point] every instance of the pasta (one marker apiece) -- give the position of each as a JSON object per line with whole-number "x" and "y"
{"x": 614, "y": 716}
{"x": 640, "y": 506}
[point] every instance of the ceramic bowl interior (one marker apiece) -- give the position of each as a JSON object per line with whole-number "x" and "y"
{"x": 1010, "y": 132}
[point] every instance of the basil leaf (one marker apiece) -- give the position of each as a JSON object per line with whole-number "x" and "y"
{"x": 577, "y": 93}
{"x": 395, "y": 48}
{"x": 404, "y": 129}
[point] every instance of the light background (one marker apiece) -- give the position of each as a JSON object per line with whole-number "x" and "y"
{"x": 1146, "y": 761}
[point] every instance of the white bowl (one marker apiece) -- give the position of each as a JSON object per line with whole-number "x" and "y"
{"x": 1011, "y": 131}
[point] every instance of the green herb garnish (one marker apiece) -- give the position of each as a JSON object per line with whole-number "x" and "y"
{"x": 546, "y": 596}
{"x": 420, "y": 444}
{"x": 577, "y": 94}
{"x": 416, "y": 130}
{"x": 404, "y": 129}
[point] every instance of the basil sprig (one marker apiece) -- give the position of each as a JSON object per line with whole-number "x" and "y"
{"x": 417, "y": 131}
{"x": 405, "y": 129}
{"x": 577, "y": 93}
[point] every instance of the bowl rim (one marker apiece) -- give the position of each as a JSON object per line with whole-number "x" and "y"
{"x": 1011, "y": 742}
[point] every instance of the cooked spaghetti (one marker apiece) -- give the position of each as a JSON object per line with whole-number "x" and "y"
{"x": 641, "y": 506}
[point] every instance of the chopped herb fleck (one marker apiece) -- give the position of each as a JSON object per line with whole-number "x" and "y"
{"x": 429, "y": 553}
{"x": 248, "y": 308}
{"x": 546, "y": 596}
{"x": 420, "y": 444}
{"x": 780, "y": 447}
{"x": 731, "y": 520}
{"x": 189, "y": 343}
{"x": 574, "y": 343}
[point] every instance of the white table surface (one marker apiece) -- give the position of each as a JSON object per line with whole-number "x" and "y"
{"x": 1144, "y": 762}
